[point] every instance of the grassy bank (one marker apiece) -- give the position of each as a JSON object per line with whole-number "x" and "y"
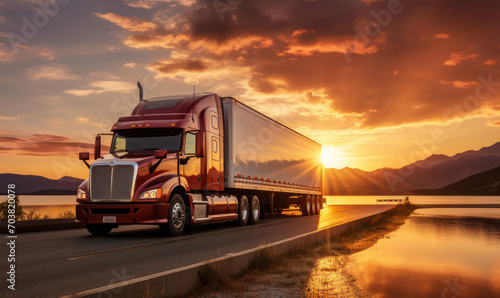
{"x": 318, "y": 270}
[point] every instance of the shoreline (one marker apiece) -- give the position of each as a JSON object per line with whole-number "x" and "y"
{"x": 292, "y": 275}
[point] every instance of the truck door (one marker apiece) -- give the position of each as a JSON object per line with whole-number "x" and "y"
{"x": 192, "y": 169}
{"x": 215, "y": 178}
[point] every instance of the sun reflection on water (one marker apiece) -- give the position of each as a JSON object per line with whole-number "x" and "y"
{"x": 427, "y": 256}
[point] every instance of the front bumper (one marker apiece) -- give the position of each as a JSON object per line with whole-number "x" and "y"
{"x": 140, "y": 213}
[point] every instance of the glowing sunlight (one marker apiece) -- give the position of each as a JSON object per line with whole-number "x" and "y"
{"x": 332, "y": 157}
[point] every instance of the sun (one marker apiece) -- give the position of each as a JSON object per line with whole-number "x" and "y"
{"x": 332, "y": 157}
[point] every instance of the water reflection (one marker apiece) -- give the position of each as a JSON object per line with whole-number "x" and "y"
{"x": 433, "y": 256}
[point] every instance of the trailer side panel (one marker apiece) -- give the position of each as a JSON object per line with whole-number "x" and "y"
{"x": 263, "y": 154}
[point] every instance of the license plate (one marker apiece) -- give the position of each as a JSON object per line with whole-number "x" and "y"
{"x": 109, "y": 219}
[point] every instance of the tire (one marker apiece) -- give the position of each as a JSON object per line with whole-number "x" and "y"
{"x": 243, "y": 210}
{"x": 318, "y": 205}
{"x": 305, "y": 205}
{"x": 313, "y": 206}
{"x": 99, "y": 229}
{"x": 176, "y": 217}
{"x": 254, "y": 210}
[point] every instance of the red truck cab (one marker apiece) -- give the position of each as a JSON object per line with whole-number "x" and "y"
{"x": 156, "y": 152}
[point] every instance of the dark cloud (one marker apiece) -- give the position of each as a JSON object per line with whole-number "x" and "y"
{"x": 10, "y": 139}
{"x": 176, "y": 65}
{"x": 423, "y": 62}
{"x": 43, "y": 145}
{"x": 273, "y": 18}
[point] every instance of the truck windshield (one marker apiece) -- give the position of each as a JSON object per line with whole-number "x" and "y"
{"x": 130, "y": 140}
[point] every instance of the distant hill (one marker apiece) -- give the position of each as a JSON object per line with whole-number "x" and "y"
{"x": 434, "y": 172}
{"x": 485, "y": 183}
{"x": 30, "y": 184}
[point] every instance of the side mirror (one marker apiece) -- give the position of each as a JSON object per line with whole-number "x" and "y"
{"x": 97, "y": 147}
{"x": 161, "y": 154}
{"x": 200, "y": 144}
{"x": 84, "y": 156}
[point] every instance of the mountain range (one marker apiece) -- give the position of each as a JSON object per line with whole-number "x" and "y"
{"x": 38, "y": 185}
{"x": 486, "y": 183}
{"x": 435, "y": 172}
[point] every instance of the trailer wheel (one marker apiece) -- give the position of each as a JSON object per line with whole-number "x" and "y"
{"x": 99, "y": 229}
{"x": 243, "y": 210}
{"x": 313, "y": 206}
{"x": 254, "y": 210}
{"x": 305, "y": 205}
{"x": 176, "y": 217}
{"x": 318, "y": 205}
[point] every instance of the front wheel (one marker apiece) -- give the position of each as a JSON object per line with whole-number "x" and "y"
{"x": 176, "y": 217}
{"x": 99, "y": 229}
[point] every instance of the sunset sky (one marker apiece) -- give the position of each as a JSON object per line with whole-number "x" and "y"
{"x": 377, "y": 83}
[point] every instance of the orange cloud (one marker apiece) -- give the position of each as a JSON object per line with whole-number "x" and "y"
{"x": 456, "y": 58}
{"x": 459, "y": 84}
{"x": 5, "y": 53}
{"x": 7, "y": 118}
{"x": 101, "y": 87}
{"x": 170, "y": 41}
{"x": 134, "y": 24}
{"x": 490, "y": 62}
{"x": 131, "y": 65}
{"x": 24, "y": 53}
{"x": 149, "y": 4}
{"x": 51, "y": 72}
{"x": 442, "y": 36}
{"x": 151, "y": 41}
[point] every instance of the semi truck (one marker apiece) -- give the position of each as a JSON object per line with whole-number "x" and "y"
{"x": 177, "y": 161}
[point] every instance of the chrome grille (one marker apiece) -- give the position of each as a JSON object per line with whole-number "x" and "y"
{"x": 122, "y": 182}
{"x": 100, "y": 183}
{"x": 112, "y": 183}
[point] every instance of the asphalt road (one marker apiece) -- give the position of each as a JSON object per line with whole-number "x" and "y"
{"x": 56, "y": 263}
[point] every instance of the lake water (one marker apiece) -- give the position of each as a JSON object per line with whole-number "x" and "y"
{"x": 367, "y": 200}
{"x": 50, "y": 206}
{"x": 436, "y": 253}
{"x": 46, "y": 200}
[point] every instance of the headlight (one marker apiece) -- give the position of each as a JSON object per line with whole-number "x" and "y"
{"x": 81, "y": 194}
{"x": 151, "y": 194}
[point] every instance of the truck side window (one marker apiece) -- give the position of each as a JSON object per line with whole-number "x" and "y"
{"x": 190, "y": 146}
